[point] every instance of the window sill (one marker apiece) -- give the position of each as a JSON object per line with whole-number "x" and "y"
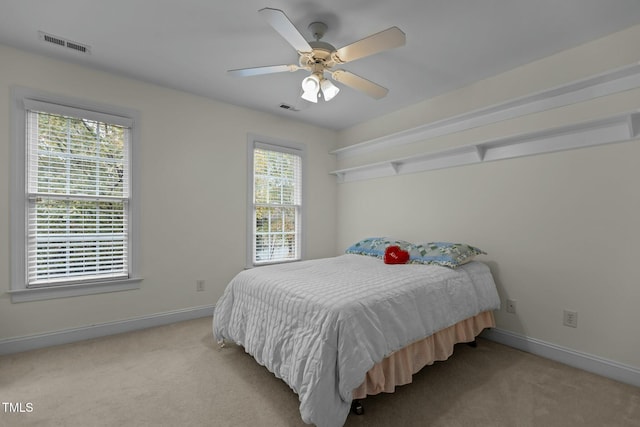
{"x": 263, "y": 264}
{"x": 65, "y": 291}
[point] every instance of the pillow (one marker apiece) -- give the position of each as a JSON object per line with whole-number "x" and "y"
{"x": 375, "y": 246}
{"x": 446, "y": 254}
{"x": 395, "y": 255}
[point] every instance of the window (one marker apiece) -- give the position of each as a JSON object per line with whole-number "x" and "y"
{"x": 75, "y": 207}
{"x": 276, "y": 202}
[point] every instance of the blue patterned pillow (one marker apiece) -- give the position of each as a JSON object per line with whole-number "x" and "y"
{"x": 375, "y": 246}
{"x": 446, "y": 254}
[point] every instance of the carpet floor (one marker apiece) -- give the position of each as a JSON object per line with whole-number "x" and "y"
{"x": 176, "y": 375}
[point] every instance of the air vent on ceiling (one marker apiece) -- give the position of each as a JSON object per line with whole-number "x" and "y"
{"x": 288, "y": 107}
{"x": 59, "y": 41}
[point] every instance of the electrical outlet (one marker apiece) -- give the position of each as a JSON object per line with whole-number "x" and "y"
{"x": 511, "y": 306}
{"x": 570, "y": 318}
{"x": 199, "y": 285}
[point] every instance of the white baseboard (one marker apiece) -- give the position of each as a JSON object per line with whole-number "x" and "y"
{"x": 597, "y": 365}
{"x": 32, "y": 342}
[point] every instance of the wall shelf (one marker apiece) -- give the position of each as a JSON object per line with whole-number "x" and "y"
{"x": 613, "y": 129}
{"x": 607, "y": 83}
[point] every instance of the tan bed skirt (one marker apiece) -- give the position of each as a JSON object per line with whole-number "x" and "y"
{"x": 398, "y": 368}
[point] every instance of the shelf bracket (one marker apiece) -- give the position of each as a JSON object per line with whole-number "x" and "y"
{"x": 480, "y": 150}
{"x": 634, "y": 125}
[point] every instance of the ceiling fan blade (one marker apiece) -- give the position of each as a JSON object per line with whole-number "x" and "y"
{"x": 279, "y": 21}
{"x": 359, "y": 83}
{"x": 387, "y": 39}
{"x": 257, "y": 71}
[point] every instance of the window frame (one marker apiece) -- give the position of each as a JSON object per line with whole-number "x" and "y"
{"x": 19, "y": 291}
{"x": 260, "y": 141}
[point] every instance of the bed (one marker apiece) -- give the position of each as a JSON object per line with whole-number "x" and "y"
{"x": 337, "y": 329}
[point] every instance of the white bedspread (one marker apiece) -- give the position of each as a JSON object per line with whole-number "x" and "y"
{"x": 320, "y": 325}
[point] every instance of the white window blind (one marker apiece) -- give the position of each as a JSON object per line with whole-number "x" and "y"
{"x": 277, "y": 201}
{"x": 77, "y": 176}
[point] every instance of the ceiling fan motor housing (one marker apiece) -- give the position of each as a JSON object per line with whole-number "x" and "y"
{"x": 320, "y": 57}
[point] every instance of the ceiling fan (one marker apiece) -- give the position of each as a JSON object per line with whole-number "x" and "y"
{"x": 319, "y": 57}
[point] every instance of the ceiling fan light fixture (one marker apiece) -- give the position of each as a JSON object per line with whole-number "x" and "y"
{"x": 329, "y": 90}
{"x": 310, "y": 87}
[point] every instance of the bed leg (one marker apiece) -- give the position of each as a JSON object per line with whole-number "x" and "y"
{"x": 473, "y": 343}
{"x": 356, "y": 407}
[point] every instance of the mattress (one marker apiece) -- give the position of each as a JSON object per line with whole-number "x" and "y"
{"x": 320, "y": 325}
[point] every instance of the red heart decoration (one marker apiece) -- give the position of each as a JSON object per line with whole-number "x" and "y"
{"x": 395, "y": 255}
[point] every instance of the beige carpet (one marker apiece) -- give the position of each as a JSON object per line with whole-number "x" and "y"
{"x": 176, "y": 376}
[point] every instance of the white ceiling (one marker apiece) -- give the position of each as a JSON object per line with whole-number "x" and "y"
{"x": 190, "y": 44}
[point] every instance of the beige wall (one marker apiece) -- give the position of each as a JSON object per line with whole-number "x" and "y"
{"x": 193, "y": 193}
{"x": 561, "y": 230}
